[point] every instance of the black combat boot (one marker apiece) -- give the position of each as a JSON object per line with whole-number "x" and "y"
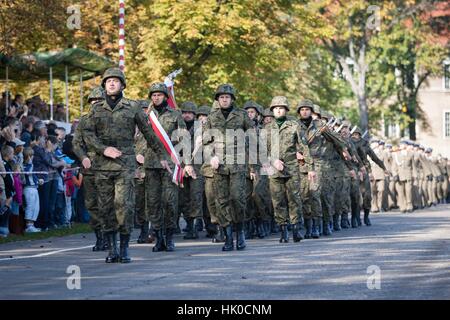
{"x": 240, "y": 236}
{"x": 99, "y": 242}
{"x": 160, "y": 244}
{"x": 113, "y": 255}
{"x": 219, "y": 236}
{"x": 199, "y": 224}
{"x": 308, "y": 226}
{"x": 296, "y": 235}
{"x": 366, "y": 217}
{"x": 170, "y": 244}
{"x": 284, "y": 236}
{"x": 326, "y": 228}
{"x": 315, "y": 234}
{"x": 354, "y": 220}
{"x": 358, "y": 218}
{"x": 177, "y": 227}
{"x": 143, "y": 236}
{"x": 192, "y": 231}
{"x": 267, "y": 228}
{"x": 275, "y": 228}
{"x": 124, "y": 240}
{"x": 345, "y": 224}
{"x": 260, "y": 229}
{"x": 249, "y": 229}
{"x": 228, "y": 246}
{"x": 210, "y": 229}
{"x": 336, "y": 226}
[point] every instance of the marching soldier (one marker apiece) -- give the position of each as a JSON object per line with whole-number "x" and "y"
{"x": 162, "y": 194}
{"x": 228, "y": 169}
{"x": 319, "y": 139}
{"x": 365, "y": 151}
{"x": 110, "y": 132}
{"x": 286, "y": 147}
{"x": 191, "y": 195}
{"x": 402, "y": 172}
{"x": 85, "y": 154}
{"x": 139, "y": 178}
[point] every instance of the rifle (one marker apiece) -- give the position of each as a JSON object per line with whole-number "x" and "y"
{"x": 353, "y": 130}
{"x": 365, "y": 133}
{"x": 339, "y": 129}
{"x": 319, "y": 131}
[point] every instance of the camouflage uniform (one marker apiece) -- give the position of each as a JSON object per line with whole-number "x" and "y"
{"x": 191, "y": 195}
{"x": 364, "y": 150}
{"x": 258, "y": 206}
{"x": 114, "y": 178}
{"x": 229, "y": 177}
{"x": 322, "y": 143}
{"x": 284, "y": 141}
{"x": 161, "y": 193}
{"x": 140, "y": 213}
{"x": 81, "y": 150}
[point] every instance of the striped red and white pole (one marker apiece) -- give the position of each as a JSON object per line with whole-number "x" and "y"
{"x": 122, "y": 34}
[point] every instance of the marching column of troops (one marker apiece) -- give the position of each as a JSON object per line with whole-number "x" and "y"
{"x": 316, "y": 177}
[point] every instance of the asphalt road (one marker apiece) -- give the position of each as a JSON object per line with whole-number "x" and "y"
{"x": 401, "y": 256}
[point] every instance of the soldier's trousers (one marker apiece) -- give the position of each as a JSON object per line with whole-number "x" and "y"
{"x": 432, "y": 190}
{"x": 417, "y": 198}
{"x": 440, "y": 190}
{"x": 327, "y": 192}
{"x": 424, "y": 191}
{"x": 211, "y": 201}
{"x": 191, "y": 197}
{"x": 404, "y": 194}
{"x": 366, "y": 193}
{"x": 141, "y": 216}
{"x": 355, "y": 195}
{"x": 310, "y": 195}
{"x": 250, "y": 206}
{"x": 378, "y": 192}
{"x": 342, "y": 195}
{"x": 262, "y": 198}
{"x": 392, "y": 194}
{"x": 286, "y": 199}
{"x": 161, "y": 199}
{"x": 115, "y": 200}
{"x": 230, "y": 193}
{"x": 91, "y": 200}
{"x": 445, "y": 186}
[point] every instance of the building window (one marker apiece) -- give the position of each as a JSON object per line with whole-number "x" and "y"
{"x": 446, "y": 124}
{"x": 447, "y": 76}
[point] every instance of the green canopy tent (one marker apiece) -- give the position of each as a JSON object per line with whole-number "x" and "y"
{"x": 67, "y": 65}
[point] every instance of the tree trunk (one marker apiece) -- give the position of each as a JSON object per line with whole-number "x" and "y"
{"x": 363, "y": 113}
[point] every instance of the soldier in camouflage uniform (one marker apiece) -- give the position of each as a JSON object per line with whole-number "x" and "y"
{"x": 286, "y": 146}
{"x": 321, "y": 141}
{"x": 378, "y": 177}
{"x": 110, "y": 132}
{"x": 342, "y": 195}
{"x": 228, "y": 169}
{"x": 140, "y": 212}
{"x": 332, "y": 147}
{"x": 191, "y": 195}
{"x": 354, "y": 165}
{"x": 85, "y": 155}
{"x": 257, "y": 194}
{"x": 364, "y": 151}
{"x": 161, "y": 193}
{"x": 214, "y": 231}
{"x": 270, "y": 226}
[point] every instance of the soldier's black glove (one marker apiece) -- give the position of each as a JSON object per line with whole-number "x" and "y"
{"x": 396, "y": 179}
{"x": 430, "y": 178}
